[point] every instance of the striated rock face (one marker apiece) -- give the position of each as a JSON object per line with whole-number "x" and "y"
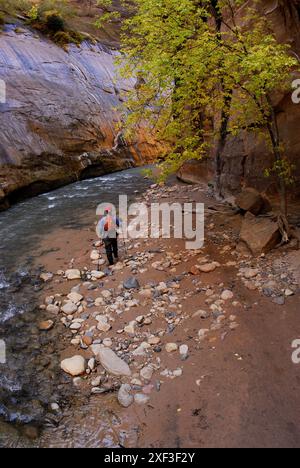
{"x": 59, "y": 120}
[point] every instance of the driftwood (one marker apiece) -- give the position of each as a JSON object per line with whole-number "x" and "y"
{"x": 287, "y": 232}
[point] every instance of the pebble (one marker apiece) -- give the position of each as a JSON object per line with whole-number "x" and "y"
{"x": 112, "y": 363}
{"x": 227, "y": 295}
{"x": 75, "y": 297}
{"x": 131, "y": 283}
{"x": 46, "y": 325}
{"x": 171, "y": 347}
{"x": 141, "y": 399}
{"x": 52, "y": 309}
{"x": 147, "y": 373}
{"x": 125, "y": 397}
{"x": 69, "y": 308}
{"x": 73, "y": 274}
{"x": 74, "y": 366}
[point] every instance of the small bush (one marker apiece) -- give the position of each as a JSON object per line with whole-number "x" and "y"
{"x": 54, "y": 22}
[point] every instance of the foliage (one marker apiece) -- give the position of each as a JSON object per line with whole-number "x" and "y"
{"x": 196, "y": 66}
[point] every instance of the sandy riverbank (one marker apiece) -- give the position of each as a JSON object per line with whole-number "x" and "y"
{"x": 235, "y": 386}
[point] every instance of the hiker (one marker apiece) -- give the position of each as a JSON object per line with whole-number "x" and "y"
{"x": 108, "y": 230}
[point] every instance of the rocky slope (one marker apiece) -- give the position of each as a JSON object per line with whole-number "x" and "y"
{"x": 59, "y": 120}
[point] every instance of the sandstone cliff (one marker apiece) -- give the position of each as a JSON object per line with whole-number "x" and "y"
{"x": 59, "y": 120}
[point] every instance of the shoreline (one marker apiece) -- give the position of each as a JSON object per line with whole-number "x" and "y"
{"x": 194, "y": 395}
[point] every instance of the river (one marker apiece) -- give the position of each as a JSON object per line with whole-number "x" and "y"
{"x": 31, "y": 377}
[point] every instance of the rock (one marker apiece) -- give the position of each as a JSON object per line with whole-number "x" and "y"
{"x": 87, "y": 340}
{"x": 106, "y": 294}
{"x": 153, "y": 340}
{"x": 131, "y": 283}
{"x": 171, "y": 347}
{"x": 141, "y": 399}
{"x": 208, "y": 267}
{"x": 74, "y": 366}
{"x": 112, "y": 363}
{"x": 97, "y": 275}
{"x": 92, "y": 364}
{"x": 69, "y": 308}
{"x": 73, "y": 274}
{"x": 103, "y": 324}
{"x": 130, "y": 329}
{"x": 125, "y": 398}
{"x": 52, "y": 309}
{"x": 202, "y": 333}
{"x": 75, "y": 297}
{"x": 46, "y": 277}
{"x": 97, "y": 381}
{"x": 194, "y": 270}
{"x": 107, "y": 342}
{"x": 259, "y": 234}
{"x": 141, "y": 350}
{"x": 250, "y": 273}
{"x": 195, "y": 172}
{"x": 95, "y": 255}
{"x": 184, "y": 351}
{"x": 250, "y": 200}
{"x": 227, "y": 295}
{"x": 203, "y": 314}
{"x": 146, "y": 373}
{"x": 177, "y": 373}
{"x": 95, "y": 348}
{"x": 46, "y": 325}
{"x": 289, "y": 292}
{"x": 75, "y": 326}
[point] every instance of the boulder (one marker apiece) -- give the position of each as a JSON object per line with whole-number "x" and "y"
{"x": 74, "y": 366}
{"x": 259, "y": 234}
{"x": 195, "y": 172}
{"x": 112, "y": 363}
{"x": 250, "y": 200}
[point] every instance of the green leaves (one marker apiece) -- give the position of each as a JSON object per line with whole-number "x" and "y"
{"x": 191, "y": 70}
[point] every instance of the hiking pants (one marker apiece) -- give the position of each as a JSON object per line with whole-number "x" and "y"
{"x": 111, "y": 247}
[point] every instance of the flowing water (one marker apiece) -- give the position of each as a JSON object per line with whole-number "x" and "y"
{"x": 31, "y": 377}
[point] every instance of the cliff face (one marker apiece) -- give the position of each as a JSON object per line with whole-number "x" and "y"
{"x": 59, "y": 120}
{"x": 246, "y": 157}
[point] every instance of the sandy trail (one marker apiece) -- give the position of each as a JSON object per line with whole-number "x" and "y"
{"x": 238, "y": 388}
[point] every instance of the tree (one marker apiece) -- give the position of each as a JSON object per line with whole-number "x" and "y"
{"x": 197, "y": 63}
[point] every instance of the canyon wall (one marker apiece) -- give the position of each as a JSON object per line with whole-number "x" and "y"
{"x": 59, "y": 122}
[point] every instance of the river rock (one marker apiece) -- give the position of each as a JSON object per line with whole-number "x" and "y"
{"x": 130, "y": 329}
{"x": 227, "y": 295}
{"x": 112, "y": 363}
{"x": 131, "y": 283}
{"x": 146, "y": 373}
{"x": 208, "y": 267}
{"x": 125, "y": 398}
{"x": 52, "y": 309}
{"x": 69, "y": 308}
{"x": 75, "y": 297}
{"x": 75, "y": 326}
{"x": 103, "y": 324}
{"x": 171, "y": 347}
{"x": 46, "y": 325}
{"x": 73, "y": 274}
{"x": 74, "y": 366}
{"x": 97, "y": 275}
{"x": 46, "y": 277}
{"x": 260, "y": 235}
{"x": 95, "y": 255}
{"x": 184, "y": 351}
